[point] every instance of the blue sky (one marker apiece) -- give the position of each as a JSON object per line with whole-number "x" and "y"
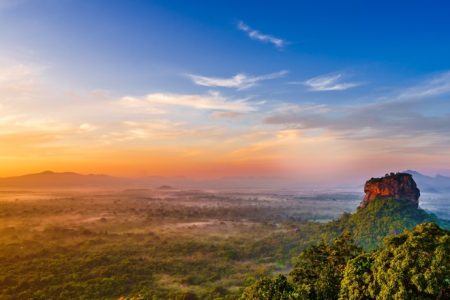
{"x": 373, "y": 40}
{"x": 346, "y": 73}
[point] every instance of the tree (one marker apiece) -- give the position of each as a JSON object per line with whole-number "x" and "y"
{"x": 412, "y": 265}
{"x": 319, "y": 269}
{"x": 272, "y": 289}
{"x": 357, "y": 277}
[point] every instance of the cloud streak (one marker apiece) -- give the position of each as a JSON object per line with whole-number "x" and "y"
{"x": 414, "y": 120}
{"x": 329, "y": 82}
{"x": 210, "y": 101}
{"x": 239, "y": 81}
{"x": 258, "y": 36}
{"x": 438, "y": 85}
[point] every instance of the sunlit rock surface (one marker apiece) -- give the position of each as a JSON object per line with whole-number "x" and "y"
{"x": 394, "y": 185}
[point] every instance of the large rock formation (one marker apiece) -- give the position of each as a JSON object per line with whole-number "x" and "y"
{"x": 394, "y": 185}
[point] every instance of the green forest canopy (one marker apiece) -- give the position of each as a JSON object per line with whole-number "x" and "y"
{"x": 414, "y": 264}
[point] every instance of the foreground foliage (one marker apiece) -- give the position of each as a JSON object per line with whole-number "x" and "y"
{"x": 317, "y": 273}
{"x": 412, "y": 265}
{"x": 318, "y": 270}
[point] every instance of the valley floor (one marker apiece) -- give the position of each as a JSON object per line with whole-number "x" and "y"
{"x": 108, "y": 244}
{"x": 159, "y": 244}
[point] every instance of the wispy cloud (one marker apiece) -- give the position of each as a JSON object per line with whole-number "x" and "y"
{"x": 413, "y": 115}
{"x": 160, "y": 129}
{"x": 18, "y": 79}
{"x": 258, "y": 36}
{"x": 395, "y": 127}
{"x": 300, "y": 108}
{"x": 239, "y": 81}
{"x": 210, "y": 101}
{"x": 329, "y": 82}
{"x": 87, "y": 127}
{"x": 438, "y": 85}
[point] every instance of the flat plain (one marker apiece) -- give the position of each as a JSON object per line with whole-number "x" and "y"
{"x": 160, "y": 243}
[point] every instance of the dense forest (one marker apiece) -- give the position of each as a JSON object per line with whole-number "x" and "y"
{"x": 151, "y": 244}
{"x": 142, "y": 244}
{"x": 414, "y": 264}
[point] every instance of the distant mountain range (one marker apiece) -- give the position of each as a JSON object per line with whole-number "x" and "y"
{"x": 59, "y": 180}
{"x": 49, "y": 179}
{"x": 429, "y": 184}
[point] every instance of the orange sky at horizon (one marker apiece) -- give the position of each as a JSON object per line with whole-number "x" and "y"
{"x": 47, "y": 127}
{"x": 287, "y": 153}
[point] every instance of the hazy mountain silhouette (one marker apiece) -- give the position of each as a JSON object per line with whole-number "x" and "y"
{"x": 49, "y": 179}
{"x": 436, "y": 184}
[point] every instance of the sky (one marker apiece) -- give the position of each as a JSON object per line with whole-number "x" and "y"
{"x": 317, "y": 91}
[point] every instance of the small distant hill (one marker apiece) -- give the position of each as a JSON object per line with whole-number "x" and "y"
{"x": 165, "y": 188}
{"x": 430, "y": 184}
{"x": 49, "y": 179}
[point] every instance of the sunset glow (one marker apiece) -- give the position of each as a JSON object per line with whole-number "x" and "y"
{"x": 96, "y": 96}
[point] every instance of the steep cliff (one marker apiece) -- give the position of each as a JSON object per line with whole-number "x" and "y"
{"x": 389, "y": 207}
{"x": 395, "y": 185}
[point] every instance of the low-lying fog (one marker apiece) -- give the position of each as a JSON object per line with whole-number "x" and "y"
{"x": 437, "y": 203}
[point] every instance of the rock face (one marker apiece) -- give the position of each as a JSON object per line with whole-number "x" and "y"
{"x": 394, "y": 185}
